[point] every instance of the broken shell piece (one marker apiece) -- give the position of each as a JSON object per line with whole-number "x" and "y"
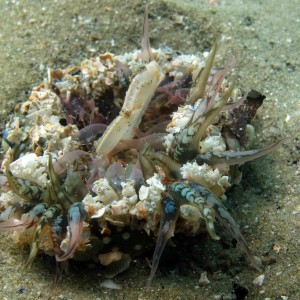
{"x": 31, "y": 167}
{"x": 203, "y": 279}
{"x": 119, "y": 209}
{"x": 99, "y": 213}
{"x": 258, "y": 261}
{"x": 104, "y": 190}
{"x": 110, "y": 284}
{"x": 259, "y": 280}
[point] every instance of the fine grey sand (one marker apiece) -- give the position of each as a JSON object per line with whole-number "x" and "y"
{"x": 265, "y": 35}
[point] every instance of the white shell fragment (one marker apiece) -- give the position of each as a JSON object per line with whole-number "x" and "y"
{"x": 259, "y": 280}
{"x": 31, "y": 167}
{"x": 110, "y": 284}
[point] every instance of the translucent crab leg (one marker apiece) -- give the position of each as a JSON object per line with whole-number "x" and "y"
{"x": 170, "y": 212}
{"x": 185, "y": 145}
{"x": 198, "y": 91}
{"x": 12, "y": 225}
{"x": 226, "y": 219}
{"x": 136, "y": 102}
{"x": 17, "y": 225}
{"x": 61, "y": 268}
{"x": 230, "y": 158}
{"x": 146, "y": 51}
{"x": 47, "y": 219}
{"x": 170, "y": 167}
{"x": 77, "y": 214}
{"x": 184, "y": 194}
{"x": 148, "y": 169}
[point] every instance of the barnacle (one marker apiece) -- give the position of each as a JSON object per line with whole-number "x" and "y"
{"x": 94, "y": 167}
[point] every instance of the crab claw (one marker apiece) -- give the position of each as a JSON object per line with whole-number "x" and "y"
{"x": 170, "y": 212}
{"x": 33, "y": 216}
{"x": 77, "y": 214}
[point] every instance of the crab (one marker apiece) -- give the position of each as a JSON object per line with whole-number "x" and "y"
{"x": 139, "y": 174}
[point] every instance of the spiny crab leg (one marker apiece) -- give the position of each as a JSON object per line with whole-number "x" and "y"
{"x": 229, "y": 158}
{"x": 77, "y": 214}
{"x": 198, "y": 91}
{"x": 55, "y": 188}
{"x": 24, "y": 188}
{"x": 170, "y": 212}
{"x": 226, "y": 219}
{"x": 184, "y": 194}
{"x": 136, "y": 102}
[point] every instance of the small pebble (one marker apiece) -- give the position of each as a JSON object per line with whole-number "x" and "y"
{"x": 203, "y": 279}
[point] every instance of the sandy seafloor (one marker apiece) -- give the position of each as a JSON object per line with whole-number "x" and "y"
{"x": 40, "y": 34}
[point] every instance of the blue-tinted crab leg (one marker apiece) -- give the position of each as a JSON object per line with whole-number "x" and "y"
{"x": 24, "y": 188}
{"x": 170, "y": 212}
{"x": 59, "y": 192}
{"x": 170, "y": 167}
{"x": 77, "y": 214}
{"x": 229, "y": 158}
{"x": 58, "y": 233}
{"x": 47, "y": 219}
{"x": 198, "y": 91}
{"x": 17, "y": 225}
{"x": 184, "y": 194}
{"x": 185, "y": 145}
{"x": 226, "y": 219}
